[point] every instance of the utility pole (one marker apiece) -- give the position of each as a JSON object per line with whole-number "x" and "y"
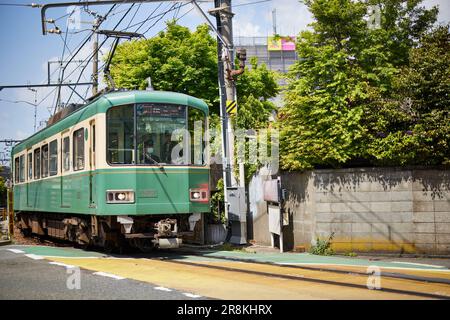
{"x": 235, "y": 204}
{"x": 95, "y": 58}
{"x": 274, "y": 21}
{"x": 35, "y": 106}
{"x": 95, "y": 61}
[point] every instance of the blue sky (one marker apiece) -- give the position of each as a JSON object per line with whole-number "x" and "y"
{"x": 25, "y": 51}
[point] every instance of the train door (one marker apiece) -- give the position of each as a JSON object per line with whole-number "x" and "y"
{"x": 66, "y": 195}
{"x": 92, "y": 193}
{"x": 29, "y": 175}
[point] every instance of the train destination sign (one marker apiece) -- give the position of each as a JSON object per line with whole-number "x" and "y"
{"x": 161, "y": 110}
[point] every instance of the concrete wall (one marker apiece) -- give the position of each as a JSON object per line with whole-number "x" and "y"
{"x": 368, "y": 209}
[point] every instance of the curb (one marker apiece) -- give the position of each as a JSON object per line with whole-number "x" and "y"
{"x": 5, "y": 243}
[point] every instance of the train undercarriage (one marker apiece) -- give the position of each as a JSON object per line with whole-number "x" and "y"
{"x": 113, "y": 233}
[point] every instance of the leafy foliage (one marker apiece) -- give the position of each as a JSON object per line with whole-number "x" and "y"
{"x": 176, "y": 60}
{"x": 337, "y": 101}
{"x": 183, "y": 61}
{"x": 323, "y": 247}
{"x": 2, "y": 189}
{"x": 413, "y": 125}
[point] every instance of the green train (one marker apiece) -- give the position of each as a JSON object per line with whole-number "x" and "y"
{"x": 127, "y": 168}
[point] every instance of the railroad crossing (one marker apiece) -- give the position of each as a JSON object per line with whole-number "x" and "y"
{"x": 242, "y": 275}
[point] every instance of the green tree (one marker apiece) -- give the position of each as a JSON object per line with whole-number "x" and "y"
{"x": 2, "y": 189}
{"x": 183, "y": 61}
{"x": 344, "y": 67}
{"x": 413, "y": 125}
{"x": 176, "y": 60}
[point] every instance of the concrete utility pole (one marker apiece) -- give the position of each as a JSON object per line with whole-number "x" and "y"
{"x": 95, "y": 61}
{"x": 235, "y": 204}
{"x": 95, "y": 58}
{"x": 35, "y": 107}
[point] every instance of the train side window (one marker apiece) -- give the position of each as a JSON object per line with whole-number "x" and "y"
{"x": 22, "y": 168}
{"x": 196, "y": 127}
{"x": 66, "y": 154}
{"x": 30, "y": 166}
{"x": 16, "y": 169}
{"x": 78, "y": 150}
{"x": 53, "y": 165}
{"x": 37, "y": 164}
{"x": 44, "y": 167}
{"x": 120, "y": 135}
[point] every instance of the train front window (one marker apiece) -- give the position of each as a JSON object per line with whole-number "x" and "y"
{"x": 157, "y": 126}
{"x": 154, "y": 133}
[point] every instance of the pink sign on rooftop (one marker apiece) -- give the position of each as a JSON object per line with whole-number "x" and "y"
{"x": 288, "y": 44}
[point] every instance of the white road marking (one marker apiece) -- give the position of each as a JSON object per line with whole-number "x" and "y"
{"x": 34, "y": 256}
{"x": 68, "y": 266}
{"x": 419, "y": 264}
{"x": 109, "y": 275}
{"x": 435, "y": 269}
{"x": 191, "y": 295}
{"x": 162, "y": 289}
{"x": 16, "y": 250}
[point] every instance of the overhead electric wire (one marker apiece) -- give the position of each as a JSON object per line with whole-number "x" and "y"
{"x": 19, "y": 5}
{"x": 80, "y": 48}
{"x": 160, "y": 18}
{"x": 149, "y": 17}
{"x": 98, "y": 49}
{"x": 87, "y": 60}
{"x": 250, "y": 3}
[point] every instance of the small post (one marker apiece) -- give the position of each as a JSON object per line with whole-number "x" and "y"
{"x": 11, "y": 212}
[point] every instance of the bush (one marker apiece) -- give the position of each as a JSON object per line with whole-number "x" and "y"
{"x": 323, "y": 247}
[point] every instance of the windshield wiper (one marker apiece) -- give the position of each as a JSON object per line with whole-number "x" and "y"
{"x": 153, "y": 160}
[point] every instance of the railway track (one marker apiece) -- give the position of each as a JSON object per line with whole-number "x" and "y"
{"x": 320, "y": 275}
{"x": 316, "y": 276}
{"x": 393, "y": 275}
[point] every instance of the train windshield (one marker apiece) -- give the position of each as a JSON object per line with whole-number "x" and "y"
{"x": 155, "y": 134}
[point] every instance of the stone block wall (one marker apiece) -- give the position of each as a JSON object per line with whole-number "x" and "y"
{"x": 368, "y": 209}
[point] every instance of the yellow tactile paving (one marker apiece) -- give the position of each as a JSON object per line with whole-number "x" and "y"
{"x": 232, "y": 285}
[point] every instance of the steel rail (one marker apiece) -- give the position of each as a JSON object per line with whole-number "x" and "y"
{"x": 314, "y": 280}
{"x": 332, "y": 270}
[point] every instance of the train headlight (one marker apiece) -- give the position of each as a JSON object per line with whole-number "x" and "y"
{"x": 199, "y": 195}
{"x": 120, "y": 196}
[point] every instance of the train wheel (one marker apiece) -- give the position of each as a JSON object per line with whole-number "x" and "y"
{"x": 26, "y": 232}
{"x": 109, "y": 247}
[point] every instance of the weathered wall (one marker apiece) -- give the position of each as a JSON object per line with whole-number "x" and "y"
{"x": 369, "y": 209}
{"x": 258, "y": 218}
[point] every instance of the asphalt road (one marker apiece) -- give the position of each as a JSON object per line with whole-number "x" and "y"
{"x": 22, "y": 277}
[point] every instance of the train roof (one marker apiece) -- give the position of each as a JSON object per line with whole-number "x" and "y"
{"x": 103, "y": 103}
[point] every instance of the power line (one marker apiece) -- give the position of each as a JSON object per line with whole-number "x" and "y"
{"x": 98, "y": 49}
{"x": 160, "y": 18}
{"x": 31, "y": 5}
{"x": 88, "y": 59}
{"x": 250, "y": 3}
